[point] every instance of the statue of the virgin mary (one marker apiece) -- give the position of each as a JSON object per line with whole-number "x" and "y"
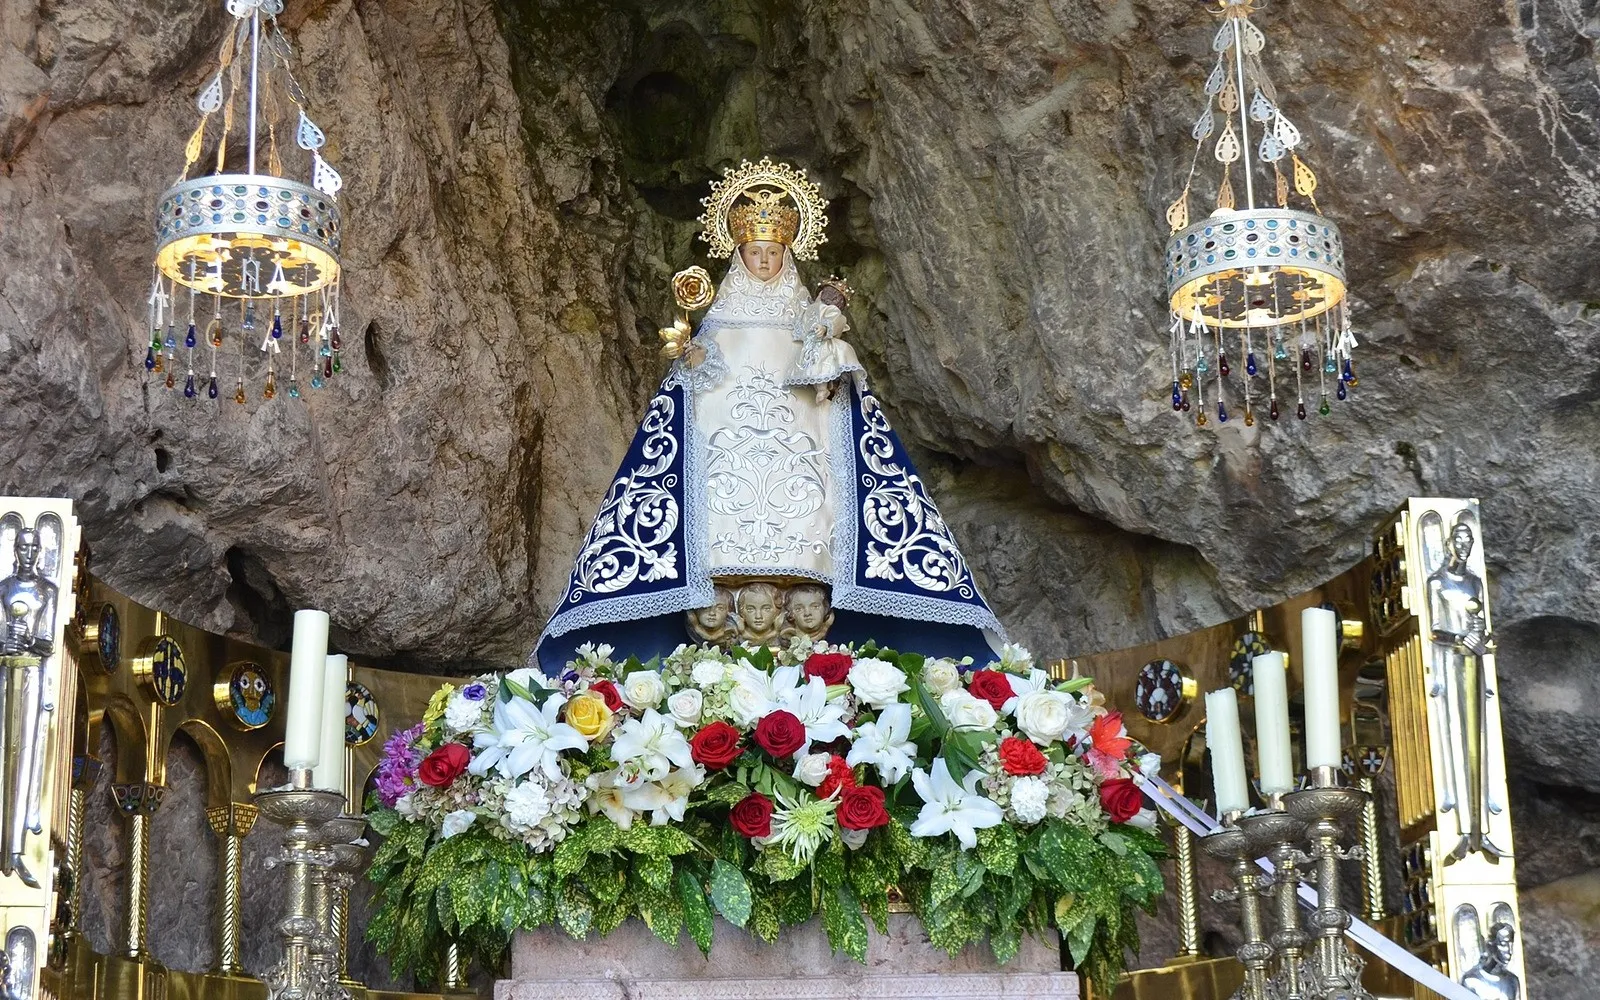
{"x": 765, "y": 496}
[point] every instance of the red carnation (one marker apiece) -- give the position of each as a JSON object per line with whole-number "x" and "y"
{"x": 833, "y": 668}
{"x": 992, "y": 686}
{"x": 716, "y": 746}
{"x": 781, "y": 734}
{"x": 752, "y": 816}
{"x": 1121, "y": 799}
{"x": 839, "y": 776}
{"x": 609, "y": 692}
{"x": 444, "y": 765}
{"x": 862, "y": 808}
{"x": 1019, "y": 757}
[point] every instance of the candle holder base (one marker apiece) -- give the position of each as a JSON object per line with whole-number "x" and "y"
{"x": 304, "y": 973}
{"x": 1334, "y": 971}
{"x": 1236, "y": 846}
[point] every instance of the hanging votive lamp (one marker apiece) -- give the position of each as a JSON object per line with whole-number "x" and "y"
{"x": 1257, "y": 292}
{"x": 246, "y": 280}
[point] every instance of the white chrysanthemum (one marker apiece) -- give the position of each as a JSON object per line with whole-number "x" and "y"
{"x": 708, "y": 673}
{"x": 526, "y": 805}
{"x": 1030, "y": 800}
{"x": 462, "y": 714}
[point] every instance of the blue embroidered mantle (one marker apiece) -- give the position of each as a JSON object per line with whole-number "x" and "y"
{"x": 898, "y": 575}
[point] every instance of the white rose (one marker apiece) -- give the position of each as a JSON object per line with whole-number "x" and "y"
{"x": 1029, "y": 799}
{"x": 406, "y": 806}
{"x": 854, "y": 839}
{"x": 527, "y": 804}
{"x": 1149, "y": 765}
{"x": 456, "y": 822}
{"x": 879, "y": 683}
{"x": 1144, "y": 819}
{"x": 811, "y": 768}
{"x": 708, "y": 673}
{"x": 685, "y": 706}
{"x": 941, "y": 675}
{"x": 963, "y": 711}
{"x": 749, "y": 700}
{"x": 1043, "y": 716}
{"x": 643, "y": 689}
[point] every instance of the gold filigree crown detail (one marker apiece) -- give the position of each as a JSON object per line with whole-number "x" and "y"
{"x": 763, "y": 217}
{"x": 729, "y": 221}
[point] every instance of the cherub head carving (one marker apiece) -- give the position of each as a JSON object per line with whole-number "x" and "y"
{"x": 808, "y": 610}
{"x": 715, "y": 622}
{"x": 760, "y": 615}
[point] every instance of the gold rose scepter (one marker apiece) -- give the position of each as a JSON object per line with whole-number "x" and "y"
{"x": 691, "y": 289}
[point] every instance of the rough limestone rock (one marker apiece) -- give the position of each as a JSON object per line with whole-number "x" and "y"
{"x": 521, "y": 180}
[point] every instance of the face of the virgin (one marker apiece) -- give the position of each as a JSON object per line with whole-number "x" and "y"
{"x": 762, "y": 258}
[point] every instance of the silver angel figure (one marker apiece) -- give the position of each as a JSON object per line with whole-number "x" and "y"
{"x": 28, "y": 599}
{"x": 1491, "y": 976}
{"x": 1459, "y": 641}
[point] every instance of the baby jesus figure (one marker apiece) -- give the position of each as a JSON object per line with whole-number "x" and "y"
{"x": 824, "y": 358}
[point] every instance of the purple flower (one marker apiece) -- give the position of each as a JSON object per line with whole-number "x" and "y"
{"x": 474, "y": 692}
{"x": 397, "y": 771}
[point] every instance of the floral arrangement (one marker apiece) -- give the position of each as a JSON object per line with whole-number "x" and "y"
{"x": 767, "y": 787}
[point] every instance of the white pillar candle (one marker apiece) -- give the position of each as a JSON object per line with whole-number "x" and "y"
{"x": 302, "y": 726}
{"x": 1319, "y": 635}
{"x": 329, "y": 772}
{"x": 1227, "y": 751}
{"x": 1275, "y": 767}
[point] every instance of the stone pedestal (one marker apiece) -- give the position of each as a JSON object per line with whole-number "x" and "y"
{"x": 632, "y": 964}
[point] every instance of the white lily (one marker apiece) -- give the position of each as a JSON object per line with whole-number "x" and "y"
{"x": 757, "y": 694}
{"x": 886, "y": 744}
{"x": 654, "y": 742}
{"x": 671, "y": 795}
{"x": 950, "y": 808}
{"x": 823, "y": 719}
{"x": 606, "y": 796}
{"x": 524, "y": 736}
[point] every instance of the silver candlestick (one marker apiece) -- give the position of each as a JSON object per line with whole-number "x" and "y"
{"x": 303, "y": 812}
{"x": 1335, "y": 969}
{"x": 1233, "y": 844}
{"x": 1280, "y": 831}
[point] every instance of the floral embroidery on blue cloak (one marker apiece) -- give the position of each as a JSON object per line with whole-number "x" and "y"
{"x": 765, "y": 496}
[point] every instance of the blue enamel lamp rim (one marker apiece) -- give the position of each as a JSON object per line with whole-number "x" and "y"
{"x": 1219, "y": 246}
{"x": 299, "y": 220}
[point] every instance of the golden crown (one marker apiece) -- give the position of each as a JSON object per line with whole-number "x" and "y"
{"x": 763, "y": 218}
{"x": 729, "y": 221}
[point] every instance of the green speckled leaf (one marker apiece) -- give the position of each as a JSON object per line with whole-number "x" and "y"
{"x": 574, "y": 911}
{"x": 696, "y": 911}
{"x": 997, "y": 849}
{"x": 656, "y": 870}
{"x": 730, "y": 893}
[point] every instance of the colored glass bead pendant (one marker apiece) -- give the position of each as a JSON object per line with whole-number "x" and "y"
{"x": 1222, "y": 412}
{"x": 277, "y": 327}
{"x": 215, "y": 333}
{"x": 1272, "y": 411}
{"x": 172, "y": 381}
{"x": 316, "y": 382}
{"x": 1200, "y": 419}
{"x": 211, "y": 389}
{"x": 1324, "y": 408}
{"x": 1177, "y": 397}
{"x": 1222, "y": 365}
{"x": 305, "y": 331}
{"x": 1305, "y": 359}
{"x": 249, "y": 316}
{"x": 1300, "y": 411}
{"x": 1341, "y": 392}
{"x": 238, "y": 393}
{"x": 1201, "y": 365}
{"x": 294, "y": 388}
{"x": 189, "y": 339}
{"x": 1249, "y": 417}
{"x": 1250, "y": 364}
{"x": 150, "y": 359}
{"x": 188, "y": 386}
{"x": 1186, "y": 381}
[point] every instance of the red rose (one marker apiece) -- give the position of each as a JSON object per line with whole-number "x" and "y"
{"x": 1121, "y": 799}
{"x": 833, "y": 668}
{"x": 752, "y": 816}
{"x": 839, "y": 776}
{"x": 991, "y": 686}
{"x": 609, "y": 692}
{"x": 862, "y": 808}
{"x": 781, "y": 734}
{"x": 444, "y": 765}
{"x": 1019, "y": 756}
{"x": 716, "y": 746}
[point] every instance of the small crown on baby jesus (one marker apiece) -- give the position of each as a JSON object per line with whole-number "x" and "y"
{"x": 763, "y": 217}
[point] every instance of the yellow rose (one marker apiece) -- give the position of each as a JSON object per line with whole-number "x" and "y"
{"x": 692, "y": 289}
{"x": 588, "y": 714}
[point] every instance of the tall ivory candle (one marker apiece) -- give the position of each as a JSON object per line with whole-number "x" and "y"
{"x": 1227, "y": 751}
{"x": 302, "y": 737}
{"x": 1319, "y": 632}
{"x": 1274, "y": 764}
{"x": 329, "y": 772}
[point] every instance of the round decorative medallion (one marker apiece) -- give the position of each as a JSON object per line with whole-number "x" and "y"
{"x": 108, "y": 642}
{"x": 360, "y": 715}
{"x": 250, "y": 695}
{"x": 1247, "y": 647}
{"x": 167, "y": 676}
{"x": 1161, "y": 690}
